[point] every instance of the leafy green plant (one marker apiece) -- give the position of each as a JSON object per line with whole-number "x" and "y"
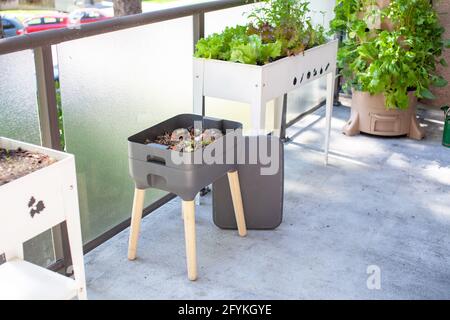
{"x": 277, "y": 29}
{"x": 218, "y": 45}
{"x": 289, "y": 22}
{"x": 394, "y": 56}
{"x": 252, "y": 50}
{"x": 234, "y": 44}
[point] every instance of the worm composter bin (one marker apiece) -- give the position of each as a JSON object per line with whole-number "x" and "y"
{"x": 182, "y": 155}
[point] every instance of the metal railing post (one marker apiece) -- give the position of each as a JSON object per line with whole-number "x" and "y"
{"x": 198, "y": 27}
{"x": 50, "y": 135}
{"x": 48, "y": 109}
{"x": 199, "y": 33}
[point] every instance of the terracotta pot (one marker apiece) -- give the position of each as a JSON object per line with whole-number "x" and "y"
{"x": 369, "y": 115}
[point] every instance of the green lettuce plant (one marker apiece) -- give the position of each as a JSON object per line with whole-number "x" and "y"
{"x": 277, "y": 29}
{"x": 393, "y": 60}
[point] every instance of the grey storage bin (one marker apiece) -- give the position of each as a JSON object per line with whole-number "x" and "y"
{"x": 262, "y": 195}
{"x": 152, "y": 165}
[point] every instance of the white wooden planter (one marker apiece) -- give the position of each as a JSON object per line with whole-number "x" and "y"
{"x": 257, "y": 85}
{"x": 56, "y": 187}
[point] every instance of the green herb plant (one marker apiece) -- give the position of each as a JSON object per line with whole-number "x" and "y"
{"x": 390, "y": 51}
{"x": 277, "y": 29}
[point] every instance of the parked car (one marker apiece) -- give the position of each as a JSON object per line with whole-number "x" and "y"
{"x": 87, "y": 15}
{"x": 41, "y": 23}
{"x": 11, "y": 27}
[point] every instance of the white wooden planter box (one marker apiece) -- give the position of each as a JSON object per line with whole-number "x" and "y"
{"x": 257, "y": 85}
{"x": 54, "y": 185}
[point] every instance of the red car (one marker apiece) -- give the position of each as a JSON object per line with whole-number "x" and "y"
{"x": 49, "y": 22}
{"x": 87, "y": 15}
{"x": 41, "y": 23}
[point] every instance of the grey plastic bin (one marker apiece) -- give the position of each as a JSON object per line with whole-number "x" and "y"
{"x": 262, "y": 195}
{"x": 152, "y": 165}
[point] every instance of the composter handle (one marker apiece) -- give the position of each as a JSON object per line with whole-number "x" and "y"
{"x": 156, "y": 160}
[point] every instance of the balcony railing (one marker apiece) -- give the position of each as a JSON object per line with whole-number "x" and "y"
{"x": 116, "y": 77}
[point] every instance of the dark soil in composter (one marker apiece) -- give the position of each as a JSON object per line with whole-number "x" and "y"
{"x": 18, "y": 163}
{"x": 187, "y": 140}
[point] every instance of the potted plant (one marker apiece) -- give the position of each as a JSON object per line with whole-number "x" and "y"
{"x": 278, "y": 51}
{"x": 388, "y": 59}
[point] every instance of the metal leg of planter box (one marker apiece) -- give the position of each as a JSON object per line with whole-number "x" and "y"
{"x": 136, "y": 217}
{"x": 198, "y": 199}
{"x": 278, "y": 116}
{"x": 235, "y": 188}
{"x": 258, "y": 116}
{"x": 329, "y": 113}
{"x": 188, "y": 208}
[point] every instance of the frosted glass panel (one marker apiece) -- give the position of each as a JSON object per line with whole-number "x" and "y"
{"x": 216, "y": 21}
{"x": 39, "y": 250}
{"x": 18, "y": 101}
{"x": 319, "y": 6}
{"x": 19, "y": 120}
{"x": 112, "y": 86}
{"x": 305, "y": 98}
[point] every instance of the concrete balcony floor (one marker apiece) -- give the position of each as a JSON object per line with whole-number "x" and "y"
{"x": 381, "y": 201}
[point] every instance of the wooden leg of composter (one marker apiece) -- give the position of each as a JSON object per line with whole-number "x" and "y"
{"x": 188, "y": 208}
{"x": 233, "y": 178}
{"x": 136, "y": 217}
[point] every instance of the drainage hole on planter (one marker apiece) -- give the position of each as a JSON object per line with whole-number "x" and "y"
{"x": 301, "y": 80}
{"x": 321, "y": 70}
{"x": 327, "y": 67}
{"x": 315, "y": 73}
{"x": 308, "y": 75}
{"x": 295, "y": 81}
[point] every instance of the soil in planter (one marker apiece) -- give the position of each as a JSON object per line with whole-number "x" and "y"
{"x": 187, "y": 139}
{"x": 18, "y": 163}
